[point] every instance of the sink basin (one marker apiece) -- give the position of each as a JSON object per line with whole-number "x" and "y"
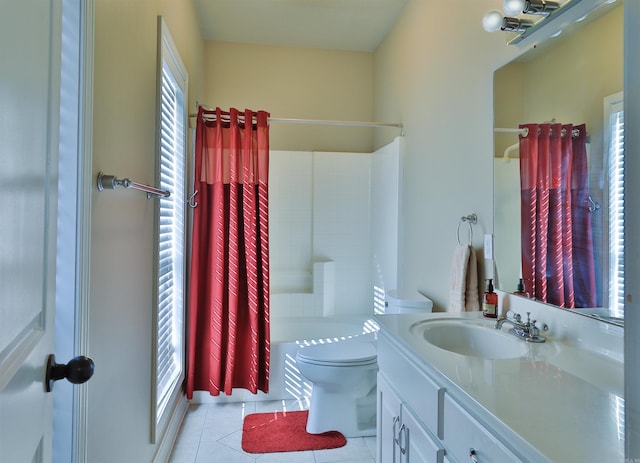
{"x": 469, "y": 338}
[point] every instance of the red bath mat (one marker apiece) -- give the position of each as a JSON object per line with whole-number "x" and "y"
{"x": 285, "y": 432}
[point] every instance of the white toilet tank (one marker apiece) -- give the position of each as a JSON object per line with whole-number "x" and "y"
{"x": 407, "y": 302}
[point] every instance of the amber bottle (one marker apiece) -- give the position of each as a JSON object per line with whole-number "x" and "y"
{"x": 490, "y": 301}
{"x": 520, "y": 290}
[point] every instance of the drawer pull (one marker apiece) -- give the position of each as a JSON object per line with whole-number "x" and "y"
{"x": 403, "y": 431}
{"x": 396, "y": 437}
{"x": 473, "y": 456}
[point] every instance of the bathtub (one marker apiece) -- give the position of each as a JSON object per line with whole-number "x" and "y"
{"x": 288, "y": 334}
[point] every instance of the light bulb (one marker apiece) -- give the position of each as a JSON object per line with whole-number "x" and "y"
{"x": 492, "y": 21}
{"x": 513, "y": 7}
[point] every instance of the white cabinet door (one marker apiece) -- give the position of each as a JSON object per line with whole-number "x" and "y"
{"x": 29, "y": 114}
{"x": 417, "y": 445}
{"x": 402, "y": 438}
{"x": 388, "y": 422}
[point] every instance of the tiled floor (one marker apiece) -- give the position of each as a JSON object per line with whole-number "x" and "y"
{"x": 212, "y": 434}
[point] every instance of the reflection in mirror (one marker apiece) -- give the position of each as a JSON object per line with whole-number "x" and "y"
{"x": 568, "y": 79}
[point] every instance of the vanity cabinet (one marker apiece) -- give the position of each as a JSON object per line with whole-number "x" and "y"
{"x": 402, "y": 437}
{"x": 420, "y": 422}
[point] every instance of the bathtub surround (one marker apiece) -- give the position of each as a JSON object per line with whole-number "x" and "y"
{"x": 290, "y": 298}
{"x": 333, "y": 207}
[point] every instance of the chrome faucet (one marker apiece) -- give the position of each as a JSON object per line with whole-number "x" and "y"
{"x": 524, "y": 330}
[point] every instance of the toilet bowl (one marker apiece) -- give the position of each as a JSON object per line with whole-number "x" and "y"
{"x": 343, "y": 377}
{"x": 343, "y": 398}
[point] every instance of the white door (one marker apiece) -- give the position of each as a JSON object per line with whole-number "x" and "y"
{"x": 29, "y": 115}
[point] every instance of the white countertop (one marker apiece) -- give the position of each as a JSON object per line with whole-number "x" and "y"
{"x": 565, "y": 401}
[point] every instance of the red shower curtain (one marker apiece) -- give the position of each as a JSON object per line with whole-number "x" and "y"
{"x": 229, "y": 281}
{"x": 558, "y": 264}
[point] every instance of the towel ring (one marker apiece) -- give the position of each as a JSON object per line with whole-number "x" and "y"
{"x": 470, "y": 233}
{"x": 470, "y": 220}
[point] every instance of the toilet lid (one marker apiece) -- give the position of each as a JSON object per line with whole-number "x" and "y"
{"x": 339, "y": 354}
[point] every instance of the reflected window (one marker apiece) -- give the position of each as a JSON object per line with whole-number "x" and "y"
{"x": 614, "y": 146}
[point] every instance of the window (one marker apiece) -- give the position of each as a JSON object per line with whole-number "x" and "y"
{"x": 169, "y": 365}
{"x": 614, "y": 146}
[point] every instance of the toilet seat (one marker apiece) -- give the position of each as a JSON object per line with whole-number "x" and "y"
{"x": 340, "y": 354}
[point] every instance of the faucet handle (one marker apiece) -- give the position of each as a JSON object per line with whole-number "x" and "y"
{"x": 533, "y": 329}
{"x": 544, "y": 326}
{"x": 514, "y": 315}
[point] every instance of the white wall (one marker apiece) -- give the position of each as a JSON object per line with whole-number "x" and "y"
{"x": 436, "y": 74}
{"x": 294, "y": 82}
{"x": 122, "y": 228}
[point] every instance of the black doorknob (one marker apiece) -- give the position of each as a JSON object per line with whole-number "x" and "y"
{"x": 77, "y": 371}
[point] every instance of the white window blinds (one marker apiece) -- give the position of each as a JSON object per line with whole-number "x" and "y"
{"x": 614, "y": 121}
{"x": 171, "y": 228}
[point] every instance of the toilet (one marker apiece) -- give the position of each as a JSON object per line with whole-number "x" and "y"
{"x": 399, "y": 301}
{"x": 343, "y": 375}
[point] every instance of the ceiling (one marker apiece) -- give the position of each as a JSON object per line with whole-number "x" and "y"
{"x": 358, "y": 25}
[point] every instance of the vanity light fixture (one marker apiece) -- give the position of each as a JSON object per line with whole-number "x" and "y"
{"x": 495, "y": 21}
{"x": 538, "y": 7}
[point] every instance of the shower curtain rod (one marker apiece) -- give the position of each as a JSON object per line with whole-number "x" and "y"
{"x": 501, "y": 130}
{"x": 524, "y": 132}
{"x": 322, "y": 122}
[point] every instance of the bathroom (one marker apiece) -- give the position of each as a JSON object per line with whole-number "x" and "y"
{"x": 433, "y": 74}
{"x": 436, "y": 286}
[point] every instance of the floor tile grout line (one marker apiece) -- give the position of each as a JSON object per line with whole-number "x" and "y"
{"x": 204, "y": 420}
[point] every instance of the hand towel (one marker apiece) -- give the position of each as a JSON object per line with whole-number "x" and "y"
{"x": 463, "y": 282}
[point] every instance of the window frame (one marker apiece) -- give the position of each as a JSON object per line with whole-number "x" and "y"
{"x": 614, "y": 104}
{"x": 169, "y": 60}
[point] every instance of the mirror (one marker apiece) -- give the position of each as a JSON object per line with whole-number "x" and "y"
{"x": 565, "y": 79}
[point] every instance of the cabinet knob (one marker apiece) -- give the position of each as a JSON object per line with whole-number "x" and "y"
{"x": 473, "y": 455}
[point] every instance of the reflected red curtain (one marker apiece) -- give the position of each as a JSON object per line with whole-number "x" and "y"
{"x": 229, "y": 279}
{"x": 558, "y": 263}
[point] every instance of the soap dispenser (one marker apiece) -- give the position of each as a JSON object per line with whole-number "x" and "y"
{"x": 520, "y": 290}
{"x": 490, "y": 301}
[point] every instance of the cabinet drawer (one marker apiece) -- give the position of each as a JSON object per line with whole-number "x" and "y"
{"x": 423, "y": 395}
{"x": 462, "y": 432}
